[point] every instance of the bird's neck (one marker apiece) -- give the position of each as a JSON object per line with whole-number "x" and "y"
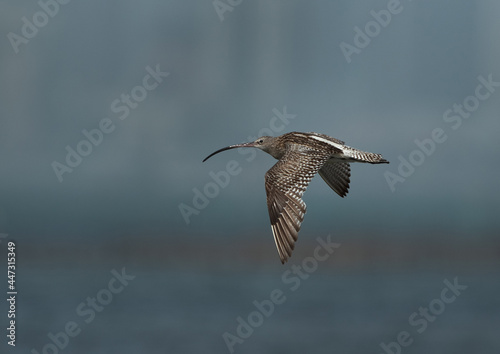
{"x": 274, "y": 152}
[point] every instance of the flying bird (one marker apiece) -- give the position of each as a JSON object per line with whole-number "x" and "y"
{"x": 300, "y": 156}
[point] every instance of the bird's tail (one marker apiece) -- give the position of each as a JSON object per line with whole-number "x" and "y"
{"x": 363, "y": 156}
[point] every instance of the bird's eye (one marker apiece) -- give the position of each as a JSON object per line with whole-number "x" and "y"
{"x": 260, "y": 141}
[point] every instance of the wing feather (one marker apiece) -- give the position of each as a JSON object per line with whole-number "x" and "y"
{"x": 337, "y": 176}
{"x": 286, "y": 182}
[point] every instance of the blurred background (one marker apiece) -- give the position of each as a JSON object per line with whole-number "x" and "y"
{"x": 108, "y": 108}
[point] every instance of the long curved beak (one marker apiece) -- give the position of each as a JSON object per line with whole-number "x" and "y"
{"x": 251, "y": 144}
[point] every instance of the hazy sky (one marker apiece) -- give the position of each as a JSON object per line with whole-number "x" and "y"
{"x": 108, "y": 108}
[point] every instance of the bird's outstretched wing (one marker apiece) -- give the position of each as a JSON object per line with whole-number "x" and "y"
{"x": 337, "y": 176}
{"x": 286, "y": 182}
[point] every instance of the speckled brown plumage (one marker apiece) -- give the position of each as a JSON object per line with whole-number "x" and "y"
{"x": 301, "y": 156}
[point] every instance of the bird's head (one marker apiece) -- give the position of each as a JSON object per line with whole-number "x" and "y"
{"x": 264, "y": 143}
